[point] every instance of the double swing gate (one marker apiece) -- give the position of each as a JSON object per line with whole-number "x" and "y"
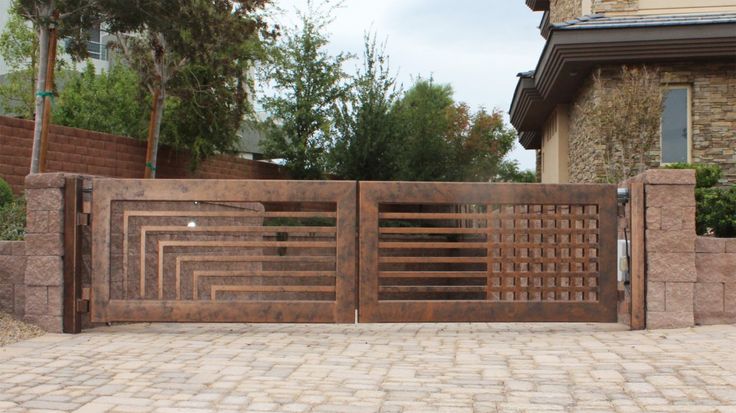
{"x": 287, "y": 251}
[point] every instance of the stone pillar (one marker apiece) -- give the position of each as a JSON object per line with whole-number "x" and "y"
{"x": 670, "y": 248}
{"x": 12, "y": 274}
{"x": 44, "y": 274}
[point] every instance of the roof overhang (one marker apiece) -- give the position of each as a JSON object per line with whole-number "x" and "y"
{"x": 538, "y": 5}
{"x": 570, "y": 55}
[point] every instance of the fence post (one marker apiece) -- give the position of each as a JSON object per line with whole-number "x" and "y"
{"x": 72, "y": 321}
{"x": 638, "y": 257}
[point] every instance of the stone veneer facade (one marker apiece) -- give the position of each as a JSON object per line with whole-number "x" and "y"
{"x": 713, "y": 118}
{"x": 603, "y": 6}
{"x": 564, "y": 10}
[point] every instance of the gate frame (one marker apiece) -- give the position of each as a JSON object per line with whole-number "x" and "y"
{"x": 371, "y": 310}
{"x": 342, "y": 310}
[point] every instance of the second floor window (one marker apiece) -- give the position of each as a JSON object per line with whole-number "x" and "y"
{"x": 96, "y": 49}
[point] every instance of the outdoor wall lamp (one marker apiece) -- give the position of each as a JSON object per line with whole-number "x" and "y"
{"x": 623, "y": 196}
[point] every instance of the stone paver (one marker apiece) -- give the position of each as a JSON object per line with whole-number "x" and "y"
{"x": 372, "y": 368}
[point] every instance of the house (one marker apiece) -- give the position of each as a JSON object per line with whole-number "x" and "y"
{"x": 691, "y": 44}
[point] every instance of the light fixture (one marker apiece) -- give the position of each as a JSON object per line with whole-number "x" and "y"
{"x": 192, "y": 224}
{"x": 623, "y": 196}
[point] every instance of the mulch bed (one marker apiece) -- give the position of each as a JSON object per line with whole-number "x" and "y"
{"x": 13, "y": 330}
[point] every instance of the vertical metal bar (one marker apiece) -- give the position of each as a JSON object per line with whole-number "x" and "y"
{"x": 638, "y": 258}
{"x": 72, "y": 322}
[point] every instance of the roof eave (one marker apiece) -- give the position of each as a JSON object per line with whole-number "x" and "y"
{"x": 570, "y": 55}
{"x": 538, "y": 5}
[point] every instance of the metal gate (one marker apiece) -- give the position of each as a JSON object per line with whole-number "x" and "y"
{"x": 481, "y": 252}
{"x": 285, "y": 251}
{"x": 223, "y": 251}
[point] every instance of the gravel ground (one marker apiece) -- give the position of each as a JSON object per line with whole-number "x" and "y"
{"x": 13, "y": 330}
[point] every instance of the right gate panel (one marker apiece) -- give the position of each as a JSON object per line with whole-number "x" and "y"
{"x": 447, "y": 252}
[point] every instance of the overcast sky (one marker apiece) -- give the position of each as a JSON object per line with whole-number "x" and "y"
{"x": 477, "y": 46}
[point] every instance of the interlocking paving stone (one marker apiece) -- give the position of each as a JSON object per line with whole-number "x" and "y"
{"x": 397, "y": 368}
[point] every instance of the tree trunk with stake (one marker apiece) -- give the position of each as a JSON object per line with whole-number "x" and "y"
{"x": 50, "y": 69}
{"x": 43, "y": 57}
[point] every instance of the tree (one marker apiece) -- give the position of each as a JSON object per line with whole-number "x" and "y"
{"x": 440, "y": 140}
{"x": 109, "y": 102}
{"x": 365, "y": 128}
{"x": 482, "y": 141}
{"x": 173, "y": 44}
{"x": 625, "y": 120}
{"x": 422, "y": 150}
{"x": 70, "y": 19}
{"x": 19, "y": 51}
{"x": 307, "y": 82}
{"x": 509, "y": 171}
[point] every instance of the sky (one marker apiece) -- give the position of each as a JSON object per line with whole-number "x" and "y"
{"x": 477, "y": 46}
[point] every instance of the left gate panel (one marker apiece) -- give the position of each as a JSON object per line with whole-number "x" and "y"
{"x": 223, "y": 251}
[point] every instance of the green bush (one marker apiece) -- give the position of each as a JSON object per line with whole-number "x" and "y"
{"x": 716, "y": 210}
{"x": 13, "y": 220}
{"x": 6, "y": 193}
{"x": 706, "y": 176}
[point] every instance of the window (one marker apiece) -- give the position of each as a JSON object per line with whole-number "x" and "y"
{"x": 676, "y": 125}
{"x": 96, "y": 49}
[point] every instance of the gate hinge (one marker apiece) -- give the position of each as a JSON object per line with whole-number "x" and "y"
{"x": 82, "y": 219}
{"x": 82, "y": 306}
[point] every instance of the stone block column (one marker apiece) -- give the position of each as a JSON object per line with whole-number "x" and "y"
{"x": 44, "y": 273}
{"x": 670, "y": 248}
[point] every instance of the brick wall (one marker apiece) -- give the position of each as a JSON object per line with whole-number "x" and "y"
{"x": 715, "y": 289}
{"x": 713, "y": 119}
{"x": 12, "y": 273}
{"x": 93, "y": 153}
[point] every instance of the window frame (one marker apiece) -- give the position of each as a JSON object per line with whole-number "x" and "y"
{"x": 689, "y": 88}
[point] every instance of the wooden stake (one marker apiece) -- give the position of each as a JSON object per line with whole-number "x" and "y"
{"x": 149, "y": 172}
{"x": 47, "y": 99}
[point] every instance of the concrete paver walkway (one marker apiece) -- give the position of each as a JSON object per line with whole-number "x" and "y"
{"x": 371, "y": 368}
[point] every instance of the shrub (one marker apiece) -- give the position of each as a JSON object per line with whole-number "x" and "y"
{"x": 6, "y": 193}
{"x": 707, "y": 176}
{"x": 13, "y": 220}
{"x": 716, "y": 211}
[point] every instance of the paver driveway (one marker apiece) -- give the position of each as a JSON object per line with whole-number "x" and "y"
{"x": 369, "y": 368}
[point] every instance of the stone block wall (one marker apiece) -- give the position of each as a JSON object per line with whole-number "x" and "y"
{"x": 715, "y": 287}
{"x": 44, "y": 248}
{"x": 713, "y": 118}
{"x": 12, "y": 277}
{"x": 670, "y": 247}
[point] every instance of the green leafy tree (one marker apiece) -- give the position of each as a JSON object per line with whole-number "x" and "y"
{"x": 440, "y": 140}
{"x": 509, "y": 171}
{"x": 365, "y": 128}
{"x": 481, "y": 141}
{"x": 423, "y": 152}
{"x": 19, "y": 51}
{"x": 109, "y": 102}
{"x": 197, "y": 51}
{"x": 307, "y": 82}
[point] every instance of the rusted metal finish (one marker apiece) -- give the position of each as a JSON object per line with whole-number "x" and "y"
{"x": 73, "y": 305}
{"x": 638, "y": 256}
{"x": 487, "y": 252}
{"x": 225, "y": 251}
